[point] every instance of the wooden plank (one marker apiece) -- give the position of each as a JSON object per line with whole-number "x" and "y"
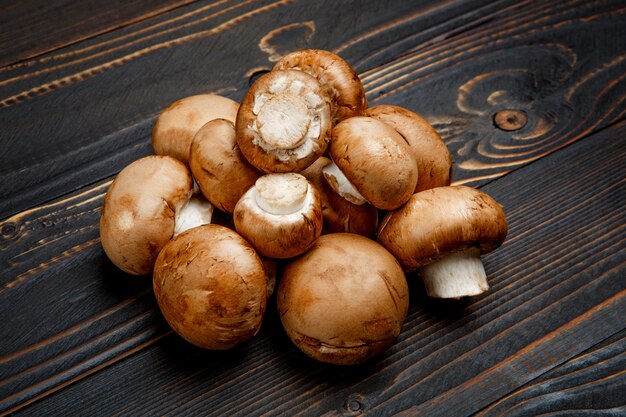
{"x": 456, "y": 63}
{"x": 594, "y": 381}
{"x": 30, "y": 28}
{"x": 110, "y": 326}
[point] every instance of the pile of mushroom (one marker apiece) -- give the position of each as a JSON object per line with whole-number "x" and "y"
{"x": 301, "y": 170}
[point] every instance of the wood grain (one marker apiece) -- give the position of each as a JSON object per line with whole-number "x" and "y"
{"x": 81, "y": 337}
{"x": 28, "y": 28}
{"x": 592, "y": 382}
{"x": 530, "y": 312}
{"x": 456, "y": 63}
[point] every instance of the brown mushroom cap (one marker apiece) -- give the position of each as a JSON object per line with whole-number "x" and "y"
{"x": 337, "y": 77}
{"x": 283, "y": 124}
{"x": 434, "y": 164}
{"x": 210, "y": 285}
{"x": 376, "y": 161}
{"x": 176, "y": 126}
{"x": 440, "y": 221}
{"x": 340, "y": 215}
{"x": 344, "y": 301}
{"x": 139, "y": 211}
{"x": 281, "y": 216}
{"x": 221, "y": 171}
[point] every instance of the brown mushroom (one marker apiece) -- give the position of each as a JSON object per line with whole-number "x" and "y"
{"x": 371, "y": 162}
{"x": 344, "y": 301}
{"x": 444, "y": 231}
{"x": 222, "y": 172}
{"x": 210, "y": 286}
{"x": 338, "y": 78}
{"x": 143, "y": 208}
{"x": 283, "y": 124}
{"x": 340, "y": 215}
{"x": 434, "y": 164}
{"x": 177, "y": 125}
{"x": 281, "y": 216}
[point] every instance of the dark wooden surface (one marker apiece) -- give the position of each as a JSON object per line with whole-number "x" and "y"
{"x": 81, "y": 85}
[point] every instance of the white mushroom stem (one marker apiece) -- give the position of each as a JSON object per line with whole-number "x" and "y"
{"x": 342, "y": 186}
{"x": 457, "y": 275}
{"x": 196, "y": 212}
{"x": 281, "y": 194}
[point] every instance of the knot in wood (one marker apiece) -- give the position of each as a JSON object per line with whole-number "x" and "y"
{"x": 510, "y": 120}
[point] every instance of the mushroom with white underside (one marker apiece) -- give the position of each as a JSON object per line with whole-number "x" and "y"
{"x": 148, "y": 202}
{"x": 283, "y": 123}
{"x": 338, "y": 79}
{"x": 281, "y": 216}
{"x": 211, "y": 288}
{"x": 444, "y": 231}
{"x": 177, "y": 125}
{"x": 371, "y": 163}
{"x": 344, "y": 301}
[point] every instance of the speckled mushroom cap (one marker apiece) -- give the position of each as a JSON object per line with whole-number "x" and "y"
{"x": 337, "y": 77}
{"x": 340, "y": 215}
{"x": 434, "y": 164}
{"x": 344, "y": 301}
{"x": 139, "y": 211}
{"x": 376, "y": 161}
{"x": 210, "y": 285}
{"x": 440, "y": 221}
{"x": 281, "y": 216}
{"x": 221, "y": 171}
{"x": 177, "y": 125}
{"x": 283, "y": 124}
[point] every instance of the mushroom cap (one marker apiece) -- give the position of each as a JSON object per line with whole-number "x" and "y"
{"x": 376, "y": 161}
{"x": 283, "y": 124}
{"x": 340, "y": 215}
{"x": 344, "y": 301}
{"x": 281, "y": 216}
{"x": 440, "y": 221}
{"x": 210, "y": 285}
{"x": 176, "y": 126}
{"x": 139, "y": 211}
{"x": 434, "y": 164}
{"x": 338, "y": 78}
{"x": 221, "y": 171}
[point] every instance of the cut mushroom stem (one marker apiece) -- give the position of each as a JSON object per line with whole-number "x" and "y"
{"x": 342, "y": 186}
{"x": 281, "y": 194}
{"x": 457, "y": 275}
{"x": 196, "y": 212}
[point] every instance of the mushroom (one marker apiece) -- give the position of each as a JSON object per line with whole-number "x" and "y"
{"x": 177, "y": 125}
{"x": 283, "y": 124}
{"x": 281, "y": 216}
{"x": 434, "y": 164}
{"x": 340, "y": 215}
{"x": 338, "y": 78}
{"x": 210, "y": 286}
{"x": 146, "y": 204}
{"x": 444, "y": 231}
{"x": 222, "y": 172}
{"x": 371, "y": 163}
{"x": 344, "y": 301}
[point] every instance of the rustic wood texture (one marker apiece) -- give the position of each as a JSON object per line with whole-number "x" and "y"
{"x": 29, "y": 27}
{"x": 528, "y": 95}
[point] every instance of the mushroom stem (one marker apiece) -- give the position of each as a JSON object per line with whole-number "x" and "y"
{"x": 457, "y": 275}
{"x": 196, "y": 212}
{"x": 281, "y": 194}
{"x": 342, "y": 186}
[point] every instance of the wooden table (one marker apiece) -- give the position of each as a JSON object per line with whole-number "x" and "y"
{"x": 81, "y": 84}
